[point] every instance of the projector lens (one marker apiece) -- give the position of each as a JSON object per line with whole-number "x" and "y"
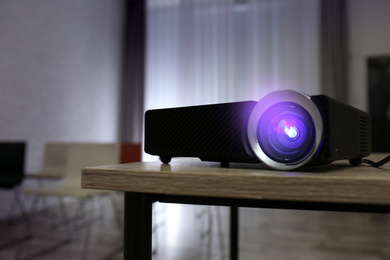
{"x": 286, "y": 132}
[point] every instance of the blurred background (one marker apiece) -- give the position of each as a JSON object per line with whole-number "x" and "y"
{"x": 86, "y": 71}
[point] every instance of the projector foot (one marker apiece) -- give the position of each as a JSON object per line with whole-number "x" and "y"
{"x": 165, "y": 159}
{"x": 355, "y": 162}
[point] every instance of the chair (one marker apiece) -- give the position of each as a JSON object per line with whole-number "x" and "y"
{"x": 53, "y": 167}
{"x": 12, "y": 157}
{"x": 54, "y": 162}
{"x": 79, "y": 155}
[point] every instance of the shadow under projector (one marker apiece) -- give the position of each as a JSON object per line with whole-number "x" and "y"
{"x": 285, "y": 130}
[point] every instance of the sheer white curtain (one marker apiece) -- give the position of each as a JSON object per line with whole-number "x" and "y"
{"x": 209, "y": 51}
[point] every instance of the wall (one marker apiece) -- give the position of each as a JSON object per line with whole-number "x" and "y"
{"x": 60, "y": 71}
{"x": 60, "y": 64}
{"x": 369, "y": 35}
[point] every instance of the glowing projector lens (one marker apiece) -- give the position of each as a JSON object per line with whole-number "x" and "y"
{"x": 286, "y": 132}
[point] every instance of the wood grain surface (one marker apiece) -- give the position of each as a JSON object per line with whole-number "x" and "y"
{"x": 335, "y": 182}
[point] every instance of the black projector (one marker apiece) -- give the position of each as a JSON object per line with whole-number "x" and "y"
{"x": 285, "y": 130}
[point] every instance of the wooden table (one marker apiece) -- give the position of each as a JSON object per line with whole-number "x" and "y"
{"x": 334, "y": 187}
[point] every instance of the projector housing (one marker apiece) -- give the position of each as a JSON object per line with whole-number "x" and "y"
{"x": 285, "y": 130}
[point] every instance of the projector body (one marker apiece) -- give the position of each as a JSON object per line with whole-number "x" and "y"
{"x": 285, "y": 130}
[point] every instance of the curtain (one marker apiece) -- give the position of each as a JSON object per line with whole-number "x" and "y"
{"x": 133, "y": 73}
{"x": 209, "y": 51}
{"x": 334, "y": 49}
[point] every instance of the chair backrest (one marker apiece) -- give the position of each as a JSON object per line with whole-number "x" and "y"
{"x": 12, "y": 157}
{"x": 81, "y": 155}
{"x": 55, "y": 159}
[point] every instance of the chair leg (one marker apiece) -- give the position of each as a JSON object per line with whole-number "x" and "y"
{"x": 117, "y": 214}
{"x": 79, "y": 216}
{"x": 154, "y": 229}
{"x": 27, "y": 221}
{"x": 90, "y": 219}
{"x": 22, "y": 207}
{"x": 55, "y": 245}
{"x": 81, "y": 219}
{"x": 212, "y": 214}
{"x": 88, "y": 231}
{"x": 64, "y": 218}
{"x": 34, "y": 204}
{"x": 10, "y": 218}
{"x": 18, "y": 203}
{"x": 43, "y": 199}
{"x": 220, "y": 232}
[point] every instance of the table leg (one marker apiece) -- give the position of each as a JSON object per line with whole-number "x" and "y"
{"x": 137, "y": 226}
{"x": 234, "y": 217}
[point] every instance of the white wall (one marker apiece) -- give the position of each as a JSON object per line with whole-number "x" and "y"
{"x": 60, "y": 64}
{"x": 369, "y": 35}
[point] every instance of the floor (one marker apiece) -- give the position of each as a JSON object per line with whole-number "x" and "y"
{"x": 184, "y": 232}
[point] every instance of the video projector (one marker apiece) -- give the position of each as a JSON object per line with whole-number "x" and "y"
{"x": 285, "y": 130}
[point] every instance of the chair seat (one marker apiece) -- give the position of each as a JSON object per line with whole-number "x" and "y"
{"x": 45, "y": 175}
{"x": 65, "y": 191}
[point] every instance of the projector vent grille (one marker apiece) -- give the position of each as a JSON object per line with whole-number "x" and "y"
{"x": 363, "y": 134}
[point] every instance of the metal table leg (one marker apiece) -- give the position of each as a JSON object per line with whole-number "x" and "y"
{"x": 234, "y": 217}
{"x": 137, "y": 226}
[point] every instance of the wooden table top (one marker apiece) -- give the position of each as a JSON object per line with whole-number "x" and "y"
{"x": 337, "y": 182}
